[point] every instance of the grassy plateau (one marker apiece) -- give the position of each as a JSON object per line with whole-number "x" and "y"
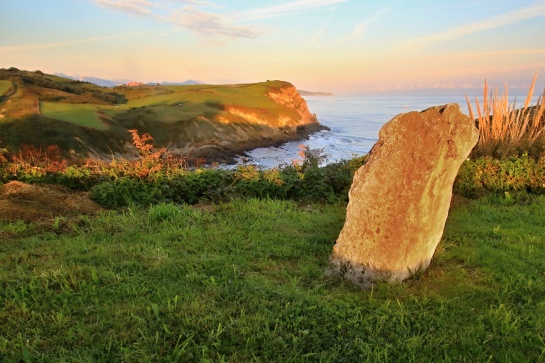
{"x": 171, "y": 104}
{"x": 4, "y": 86}
{"x": 78, "y": 114}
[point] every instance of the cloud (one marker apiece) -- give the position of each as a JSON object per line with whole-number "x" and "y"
{"x": 289, "y": 8}
{"x": 189, "y": 14}
{"x": 131, "y": 6}
{"x": 211, "y": 24}
{"x": 361, "y": 28}
{"x": 199, "y": 2}
{"x": 65, "y": 43}
{"x": 490, "y": 23}
{"x": 322, "y": 30}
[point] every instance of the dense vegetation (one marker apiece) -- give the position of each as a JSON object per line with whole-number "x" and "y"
{"x": 158, "y": 176}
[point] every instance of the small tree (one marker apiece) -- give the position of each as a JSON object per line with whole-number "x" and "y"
{"x": 149, "y": 158}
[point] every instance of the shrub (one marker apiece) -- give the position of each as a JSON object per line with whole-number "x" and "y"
{"x": 3, "y": 154}
{"x": 488, "y": 175}
{"x": 506, "y": 131}
{"x": 310, "y": 183}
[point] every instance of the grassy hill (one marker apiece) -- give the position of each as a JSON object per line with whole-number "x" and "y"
{"x": 42, "y": 110}
{"x": 4, "y": 86}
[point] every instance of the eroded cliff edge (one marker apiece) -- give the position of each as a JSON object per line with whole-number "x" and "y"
{"x": 241, "y": 128}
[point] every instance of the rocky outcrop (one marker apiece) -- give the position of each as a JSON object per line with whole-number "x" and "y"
{"x": 399, "y": 199}
{"x": 287, "y": 96}
{"x": 239, "y": 128}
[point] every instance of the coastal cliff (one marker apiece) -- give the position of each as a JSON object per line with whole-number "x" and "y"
{"x": 214, "y": 122}
{"x": 255, "y": 115}
{"x": 287, "y": 96}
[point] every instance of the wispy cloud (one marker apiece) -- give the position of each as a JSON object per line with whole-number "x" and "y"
{"x": 490, "y": 23}
{"x": 210, "y": 24}
{"x": 187, "y": 15}
{"x": 191, "y": 16}
{"x": 199, "y": 2}
{"x": 361, "y": 28}
{"x": 131, "y": 6}
{"x": 321, "y": 31}
{"x": 43, "y": 45}
{"x": 288, "y": 8}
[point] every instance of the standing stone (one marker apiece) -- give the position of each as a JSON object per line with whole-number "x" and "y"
{"x": 399, "y": 200}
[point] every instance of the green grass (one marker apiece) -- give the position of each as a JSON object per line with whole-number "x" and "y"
{"x": 243, "y": 282}
{"x": 183, "y": 103}
{"x": 78, "y": 114}
{"x": 4, "y": 86}
{"x": 197, "y": 99}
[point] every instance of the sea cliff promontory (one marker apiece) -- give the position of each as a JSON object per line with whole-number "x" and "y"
{"x": 214, "y": 122}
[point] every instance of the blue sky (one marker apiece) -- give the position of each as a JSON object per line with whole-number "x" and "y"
{"x": 343, "y": 46}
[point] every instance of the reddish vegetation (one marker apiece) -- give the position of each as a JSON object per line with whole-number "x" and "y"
{"x": 50, "y": 158}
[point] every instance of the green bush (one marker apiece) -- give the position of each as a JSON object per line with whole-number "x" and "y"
{"x": 309, "y": 183}
{"x": 121, "y": 185}
{"x": 487, "y": 175}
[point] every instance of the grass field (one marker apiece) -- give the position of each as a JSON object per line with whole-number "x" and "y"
{"x": 78, "y": 114}
{"x": 4, "y": 86}
{"x": 243, "y": 282}
{"x": 172, "y": 104}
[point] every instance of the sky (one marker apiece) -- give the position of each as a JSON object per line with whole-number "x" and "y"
{"x": 340, "y": 46}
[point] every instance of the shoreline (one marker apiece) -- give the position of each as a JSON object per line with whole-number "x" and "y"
{"x": 228, "y": 154}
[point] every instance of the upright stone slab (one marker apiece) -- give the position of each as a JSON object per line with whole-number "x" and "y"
{"x": 399, "y": 200}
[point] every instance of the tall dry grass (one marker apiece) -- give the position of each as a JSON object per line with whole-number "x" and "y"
{"x": 506, "y": 130}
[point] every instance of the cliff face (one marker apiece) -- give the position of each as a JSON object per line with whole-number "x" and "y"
{"x": 287, "y": 96}
{"x": 293, "y": 110}
{"x": 241, "y": 127}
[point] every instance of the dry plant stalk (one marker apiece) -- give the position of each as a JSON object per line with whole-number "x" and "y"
{"x": 500, "y": 122}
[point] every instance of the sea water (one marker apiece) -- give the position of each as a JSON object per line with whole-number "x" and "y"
{"x": 355, "y": 122}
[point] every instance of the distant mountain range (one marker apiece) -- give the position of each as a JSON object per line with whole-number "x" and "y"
{"x": 115, "y": 82}
{"x": 189, "y": 82}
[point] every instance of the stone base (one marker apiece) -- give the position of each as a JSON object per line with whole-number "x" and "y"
{"x": 365, "y": 276}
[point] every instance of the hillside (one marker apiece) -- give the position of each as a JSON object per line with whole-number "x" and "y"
{"x": 210, "y": 121}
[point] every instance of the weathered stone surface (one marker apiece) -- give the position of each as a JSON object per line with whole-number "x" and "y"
{"x": 399, "y": 200}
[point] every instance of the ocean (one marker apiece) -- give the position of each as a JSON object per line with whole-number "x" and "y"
{"x": 355, "y": 122}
